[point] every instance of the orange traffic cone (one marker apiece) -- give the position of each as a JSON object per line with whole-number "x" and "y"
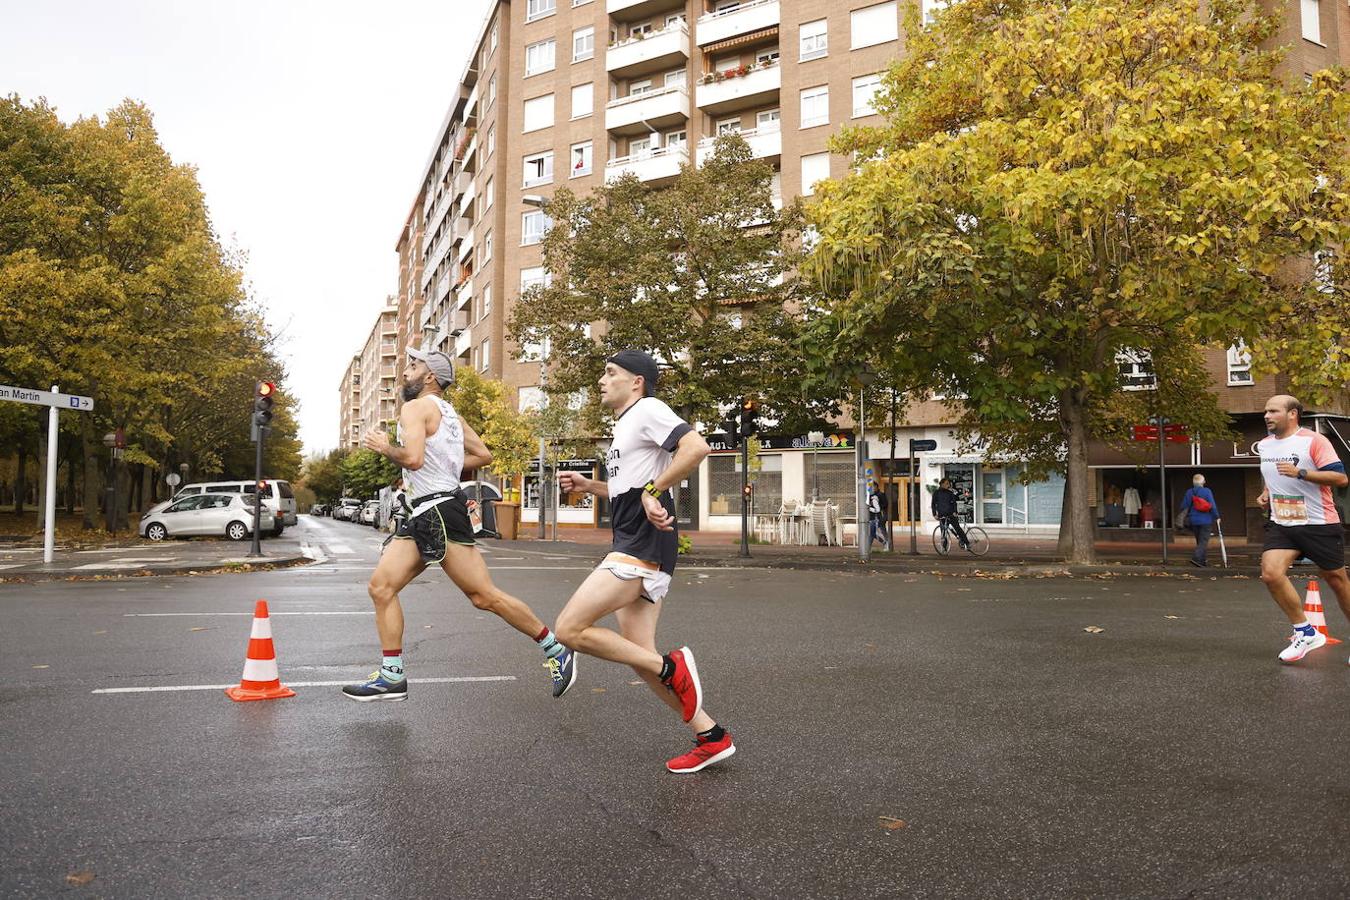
{"x": 261, "y": 680}
{"x": 1312, "y": 608}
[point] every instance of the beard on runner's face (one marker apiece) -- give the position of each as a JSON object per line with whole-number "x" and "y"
{"x": 411, "y": 391}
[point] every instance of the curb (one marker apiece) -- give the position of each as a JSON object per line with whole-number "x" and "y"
{"x": 994, "y": 569}
{"x": 215, "y": 567}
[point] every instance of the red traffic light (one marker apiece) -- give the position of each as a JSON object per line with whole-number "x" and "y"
{"x": 266, "y": 389}
{"x": 262, "y": 487}
{"x": 747, "y": 489}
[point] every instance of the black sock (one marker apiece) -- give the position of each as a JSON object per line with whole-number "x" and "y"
{"x": 667, "y": 668}
{"x": 714, "y": 733}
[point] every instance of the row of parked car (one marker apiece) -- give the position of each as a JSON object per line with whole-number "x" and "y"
{"x": 348, "y": 509}
{"x": 221, "y": 509}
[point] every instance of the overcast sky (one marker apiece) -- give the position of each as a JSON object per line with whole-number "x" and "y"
{"x": 309, "y": 123}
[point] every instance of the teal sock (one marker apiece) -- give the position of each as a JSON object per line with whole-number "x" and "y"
{"x": 549, "y": 644}
{"x": 391, "y": 667}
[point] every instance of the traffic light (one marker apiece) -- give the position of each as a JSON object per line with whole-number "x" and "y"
{"x": 262, "y": 488}
{"x": 262, "y": 404}
{"x": 729, "y": 427}
{"x": 749, "y": 417}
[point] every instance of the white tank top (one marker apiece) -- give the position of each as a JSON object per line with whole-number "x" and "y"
{"x": 442, "y": 461}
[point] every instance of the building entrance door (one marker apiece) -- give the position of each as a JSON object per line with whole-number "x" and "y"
{"x": 991, "y": 496}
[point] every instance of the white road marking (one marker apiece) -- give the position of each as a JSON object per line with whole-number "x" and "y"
{"x": 293, "y": 684}
{"x": 14, "y": 566}
{"x": 315, "y": 612}
{"x": 340, "y": 548}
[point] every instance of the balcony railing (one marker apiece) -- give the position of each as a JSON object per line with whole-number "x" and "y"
{"x": 650, "y": 166}
{"x": 652, "y": 52}
{"x": 765, "y": 142}
{"x": 746, "y": 18}
{"x": 658, "y": 109}
{"x": 739, "y": 88}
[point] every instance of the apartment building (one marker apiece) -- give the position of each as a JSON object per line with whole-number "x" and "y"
{"x": 368, "y": 393}
{"x": 576, "y": 92}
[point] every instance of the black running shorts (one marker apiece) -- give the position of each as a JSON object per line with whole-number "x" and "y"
{"x": 1323, "y": 544}
{"x": 431, "y": 530}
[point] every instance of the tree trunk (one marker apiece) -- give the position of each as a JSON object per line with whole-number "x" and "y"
{"x": 90, "y": 443}
{"x": 122, "y": 478}
{"x": 43, "y": 450}
{"x": 72, "y": 458}
{"x": 1083, "y": 547}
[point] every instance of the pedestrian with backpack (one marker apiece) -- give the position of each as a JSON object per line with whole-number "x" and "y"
{"x": 1201, "y": 511}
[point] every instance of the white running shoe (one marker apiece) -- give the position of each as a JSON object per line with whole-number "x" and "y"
{"x": 1300, "y": 645}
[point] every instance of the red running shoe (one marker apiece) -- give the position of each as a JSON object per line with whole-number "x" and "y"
{"x": 684, "y": 682}
{"x": 705, "y": 753}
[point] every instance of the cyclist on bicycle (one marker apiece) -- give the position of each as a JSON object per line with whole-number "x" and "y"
{"x": 944, "y": 510}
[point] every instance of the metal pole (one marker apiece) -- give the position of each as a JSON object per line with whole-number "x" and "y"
{"x": 257, "y": 494}
{"x": 49, "y": 529}
{"x": 891, "y": 507}
{"x": 745, "y": 497}
{"x": 864, "y": 516}
{"x": 913, "y": 500}
{"x": 1162, "y": 477}
{"x": 110, "y": 491}
{"x": 539, "y": 501}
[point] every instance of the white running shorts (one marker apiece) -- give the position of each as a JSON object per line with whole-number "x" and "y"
{"x": 655, "y": 583}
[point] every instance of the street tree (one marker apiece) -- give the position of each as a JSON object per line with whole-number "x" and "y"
{"x": 510, "y": 434}
{"x": 322, "y": 474}
{"x": 1056, "y": 183}
{"x": 700, "y": 273}
{"x": 365, "y": 472}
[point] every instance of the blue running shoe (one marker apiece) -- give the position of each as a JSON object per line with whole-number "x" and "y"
{"x": 563, "y": 671}
{"x": 378, "y": 688}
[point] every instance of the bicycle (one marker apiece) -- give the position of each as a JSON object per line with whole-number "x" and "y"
{"x": 977, "y": 542}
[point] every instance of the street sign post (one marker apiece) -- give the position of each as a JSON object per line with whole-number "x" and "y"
{"x": 54, "y": 400}
{"x": 915, "y": 446}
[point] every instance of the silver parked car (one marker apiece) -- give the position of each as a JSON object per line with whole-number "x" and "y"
{"x": 370, "y": 513}
{"x": 230, "y": 515}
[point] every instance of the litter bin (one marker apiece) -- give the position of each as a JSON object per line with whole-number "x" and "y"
{"x": 508, "y": 518}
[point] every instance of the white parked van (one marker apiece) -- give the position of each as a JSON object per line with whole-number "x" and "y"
{"x": 279, "y": 499}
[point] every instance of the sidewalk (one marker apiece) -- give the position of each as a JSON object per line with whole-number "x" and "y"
{"x": 1008, "y": 556}
{"x": 22, "y": 562}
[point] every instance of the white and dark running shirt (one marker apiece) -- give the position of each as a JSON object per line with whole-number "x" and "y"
{"x": 644, "y": 438}
{"x": 442, "y": 462}
{"x": 1292, "y": 501}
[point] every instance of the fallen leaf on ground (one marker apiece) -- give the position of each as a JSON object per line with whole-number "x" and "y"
{"x": 42, "y": 667}
{"x": 639, "y": 681}
{"x": 426, "y": 626}
{"x": 101, "y": 631}
{"x": 1171, "y": 617}
{"x": 79, "y": 878}
{"x": 1093, "y": 629}
{"x": 597, "y": 690}
{"x": 967, "y": 590}
{"x": 200, "y": 628}
{"x": 892, "y": 824}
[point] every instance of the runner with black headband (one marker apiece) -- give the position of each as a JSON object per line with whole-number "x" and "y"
{"x": 653, "y": 450}
{"x": 435, "y": 446}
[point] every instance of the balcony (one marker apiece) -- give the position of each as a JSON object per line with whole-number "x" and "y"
{"x": 465, "y": 206}
{"x": 718, "y": 93}
{"x": 463, "y": 228}
{"x": 443, "y": 288}
{"x": 765, "y": 142}
{"x": 466, "y": 245}
{"x": 464, "y": 293}
{"x": 463, "y": 182}
{"x": 747, "y": 18}
{"x": 632, "y": 10}
{"x": 655, "y": 52}
{"x": 653, "y": 167}
{"x": 662, "y": 108}
{"x": 462, "y": 344}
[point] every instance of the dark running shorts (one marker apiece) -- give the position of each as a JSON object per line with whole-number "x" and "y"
{"x": 1323, "y": 544}
{"x": 446, "y": 522}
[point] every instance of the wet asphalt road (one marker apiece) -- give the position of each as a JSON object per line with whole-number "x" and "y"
{"x": 898, "y": 736}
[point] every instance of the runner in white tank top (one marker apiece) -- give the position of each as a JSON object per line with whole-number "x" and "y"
{"x": 434, "y": 447}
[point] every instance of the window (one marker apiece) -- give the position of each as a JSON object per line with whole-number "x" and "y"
{"x": 487, "y": 299}
{"x": 644, "y": 28}
{"x": 674, "y": 140}
{"x": 532, "y": 277}
{"x": 492, "y": 38}
{"x": 815, "y": 106}
{"x": 640, "y": 147}
{"x": 637, "y": 88}
{"x": 539, "y": 168}
{"x": 537, "y": 9}
{"x": 538, "y": 113}
{"x": 874, "y": 25}
{"x": 489, "y": 193}
{"x": 815, "y": 167}
{"x": 540, "y": 57}
{"x": 531, "y": 397}
{"x": 484, "y": 354}
{"x": 1136, "y": 370}
{"x": 583, "y": 100}
{"x": 768, "y": 119}
{"x": 581, "y": 159}
{"x": 491, "y": 139}
{"x": 815, "y": 40}
{"x": 583, "y": 44}
{"x": 765, "y": 57}
{"x": 486, "y": 249}
{"x": 930, "y": 8}
{"x": 533, "y": 226}
{"x": 864, "y": 91}
{"x": 576, "y": 3}
{"x": 678, "y": 77}
{"x": 1312, "y": 21}
{"x": 491, "y": 93}
{"x": 722, "y": 63}
{"x": 729, "y": 126}
{"x": 1239, "y": 365}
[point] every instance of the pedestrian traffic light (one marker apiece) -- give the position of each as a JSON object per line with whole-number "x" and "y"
{"x": 749, "y": 417}
{"x": 729, "y": 427}
{"x": 262, "y": 404}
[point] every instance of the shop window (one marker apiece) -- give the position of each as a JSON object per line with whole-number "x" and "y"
{"x": 1239, "y": 365}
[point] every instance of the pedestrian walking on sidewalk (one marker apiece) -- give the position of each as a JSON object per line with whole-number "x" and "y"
{"x": 435, "y": 446}
{"x": 1202, "y": 512}
{"x": 653, "y": 450}
{"x": 876, "y": 509}
{"x": 1300, "y": 469}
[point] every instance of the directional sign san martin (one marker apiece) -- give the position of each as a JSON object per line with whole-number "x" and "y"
{"x": 46, "y": 398}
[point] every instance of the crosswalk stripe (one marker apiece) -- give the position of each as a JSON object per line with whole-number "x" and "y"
{"x": 294, "y": 684}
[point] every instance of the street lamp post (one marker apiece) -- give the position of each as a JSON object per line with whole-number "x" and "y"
{"x": 815, "y": 439}
{"x": 541, "y": 203}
